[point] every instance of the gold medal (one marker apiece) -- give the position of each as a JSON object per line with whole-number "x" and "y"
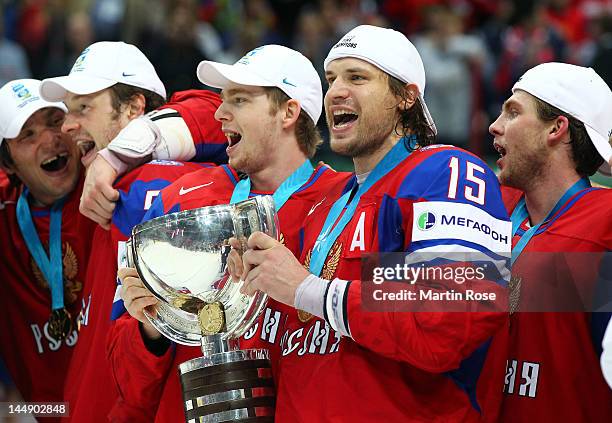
{"x": 60, "y": 324}
{"x": 211, "y": 318}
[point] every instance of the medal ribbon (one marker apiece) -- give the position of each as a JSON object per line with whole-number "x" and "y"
{"x": 50, "y": 266}
{"x": 331, "y": 230}
{"x": 519, "y": 214}
{"x": 289, "y": 186}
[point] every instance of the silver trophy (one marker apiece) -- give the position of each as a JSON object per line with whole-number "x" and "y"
{"x": 181, "y": 258}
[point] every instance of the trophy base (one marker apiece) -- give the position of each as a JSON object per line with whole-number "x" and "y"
{"x": 229, "y": 386}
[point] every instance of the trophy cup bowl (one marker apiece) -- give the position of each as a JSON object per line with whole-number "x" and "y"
{"x": 182, "y": 259}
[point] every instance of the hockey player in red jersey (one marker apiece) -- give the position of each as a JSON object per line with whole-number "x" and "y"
{"x": 552, "y": 134}
{"x": 110, "y": 87}
{"x": 272, "y": 99}
{"x": 382, "y": 366}
{"x": 44, "y": 242}
{"x": 110, "y": 69}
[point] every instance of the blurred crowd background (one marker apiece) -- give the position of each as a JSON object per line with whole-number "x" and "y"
{"x": 473, "y": 50}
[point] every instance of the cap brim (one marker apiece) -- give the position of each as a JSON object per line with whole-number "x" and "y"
{"x": 17, "y": 124}
{"x": 56, "y": 89}
{"x": 219, "y": 75}
{"x": 603, "y": 147}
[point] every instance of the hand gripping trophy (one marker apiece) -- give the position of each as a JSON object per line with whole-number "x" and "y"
{"x": 181, "y": 259}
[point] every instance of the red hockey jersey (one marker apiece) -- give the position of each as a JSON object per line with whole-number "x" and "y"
{"x": 551, "y": 359}
{"x": 90, "y": 389}
{"x": 154, "y": 380}
{"x": 38, "y": 363}
{"x": 396, "y": 366}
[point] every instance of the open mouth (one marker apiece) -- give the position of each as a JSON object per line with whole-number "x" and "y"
{"x": 342, "y": 118}
{"x": 85, "y": 146}
{"x": 56, "y": 163}
{"x": 501, "y": 150}
{"x": 233, "y": 138}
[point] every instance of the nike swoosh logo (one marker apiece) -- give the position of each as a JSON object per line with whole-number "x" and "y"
{"x": 128, "y": 74}
{"x": 184, "y": 190}
{"x": 288, "y": 83}
{"x": 315, "y": 206}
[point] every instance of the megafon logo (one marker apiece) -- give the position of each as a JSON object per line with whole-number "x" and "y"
{"x": 426, "y": 221}
{"x": 246, "y": 58}
{"x": 450, "y": 220}
{"x": 78, "y": 65}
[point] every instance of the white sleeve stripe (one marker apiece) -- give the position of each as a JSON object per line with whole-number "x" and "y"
{"x": 159, "y": 116}
{"x": 335, "y": 299}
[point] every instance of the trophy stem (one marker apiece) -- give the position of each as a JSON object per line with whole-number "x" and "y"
{"x": 213, "y": 344}
{"x": 229, "y": 386}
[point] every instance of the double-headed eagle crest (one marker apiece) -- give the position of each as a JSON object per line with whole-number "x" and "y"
{"x": 72, "y": 287}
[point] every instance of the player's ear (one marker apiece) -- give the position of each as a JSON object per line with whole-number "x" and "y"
{"x": 136, "y": 106}
{"x": 558, "y": 130}
{"x": 411, "y": 95}
{"x": 291, "y": 112}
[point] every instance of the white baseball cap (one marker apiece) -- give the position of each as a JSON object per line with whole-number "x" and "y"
{"x": 271, "y": 66}
{"x": 20, "y": 99}
{"x": 388, "y": 50}
{"x": 102, "y": 65}
{"x": 578, "y": 91}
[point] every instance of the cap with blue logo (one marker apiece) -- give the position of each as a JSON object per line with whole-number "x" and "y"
{"x": 271, "y": 66}
{"x": 20, "y": 99}
{"x": 102, "y": 65}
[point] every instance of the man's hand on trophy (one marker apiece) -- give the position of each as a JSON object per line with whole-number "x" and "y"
{"x": 136, "y": 297}
{"x": 270, "y": 267}
{"x": 99, "y": 197}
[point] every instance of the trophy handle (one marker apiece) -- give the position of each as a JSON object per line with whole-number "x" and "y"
{"x": 129, "y": 253}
